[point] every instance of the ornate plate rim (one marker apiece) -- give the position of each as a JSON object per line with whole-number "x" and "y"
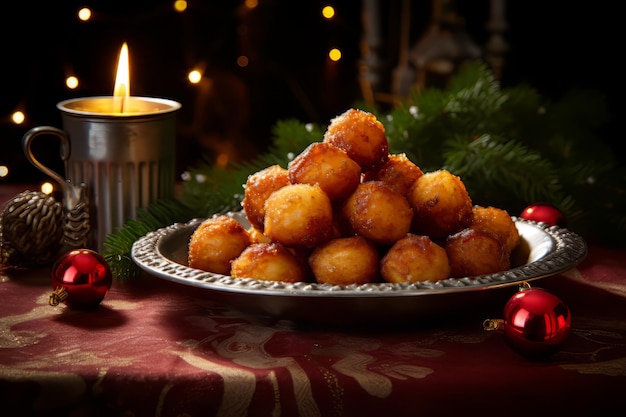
{"x": 561, "y": 250}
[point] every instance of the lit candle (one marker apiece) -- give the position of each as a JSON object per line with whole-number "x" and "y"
{"x": 121, "y": 92}
{"x": 119, "y": 156}
{"x": 121, "y": 103}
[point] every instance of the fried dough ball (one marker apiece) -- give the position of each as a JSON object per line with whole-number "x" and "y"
{"x": 441, "y": 204}
{"x": 361, "y": 135}
{"x": 474, "y": 252}
{"x": 399, "y": 172}
{"x": 378, "y": 212}
{"x": 258, "y": 188}
{"x": 345, "y": 261}
{"x": 497, "y": 222}
{"x": 215, "y": 242}
{"x": 257, "y": 236}
{"x": 328, "y": 166}
{"x": 268, "y": 262}
{"x": 415, "y": 258}
{"x": 299, "y": 215}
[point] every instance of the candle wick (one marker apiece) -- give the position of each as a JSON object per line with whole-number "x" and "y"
{"x": 118, "y": 104}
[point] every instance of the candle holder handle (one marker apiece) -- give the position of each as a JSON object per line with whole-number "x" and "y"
{"x": 77, "y": 226}
{"x": 71, "y": 192}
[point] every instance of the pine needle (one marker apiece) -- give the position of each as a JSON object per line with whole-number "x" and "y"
{"x": 511, "y": 147}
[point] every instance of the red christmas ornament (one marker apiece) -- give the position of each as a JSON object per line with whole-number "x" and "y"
{"x": 544, "y": 212}
{"x": 80, "y": 278}
{"x": 536, "y": 323}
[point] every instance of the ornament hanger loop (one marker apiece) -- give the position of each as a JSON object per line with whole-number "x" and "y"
{"x": 493, "y": 325}
{"x": 59, "y": 295}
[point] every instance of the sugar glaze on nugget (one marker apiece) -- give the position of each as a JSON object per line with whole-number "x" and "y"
{"x": 299, "y": 215}
{"x": 474, "y": 252}
{"x": 361, "y": 135}
{"x": 415, "y": 258}
{"x": 345, "y": 261}
{"x": 399, "y": 172}
{"x": 378, "y": 212}
{"x": 441, "y": 204}
{"x": 498, "y": 222}
{"x": 215, "y": 242}
{"x": 258, "y": 188}
{"x": 328, "y": 166}
{"x": 268, "y": 262}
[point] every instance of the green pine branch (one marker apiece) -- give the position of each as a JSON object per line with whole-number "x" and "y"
{"x": 511, "y": 147}
{"x": 489, "y": 166}
{"x": 119, "y": 244}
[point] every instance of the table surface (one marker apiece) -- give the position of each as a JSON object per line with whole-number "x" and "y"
{"x": 158, "y": 348}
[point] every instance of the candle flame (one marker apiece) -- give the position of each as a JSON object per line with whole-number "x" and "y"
{"x": 121, "y": 92}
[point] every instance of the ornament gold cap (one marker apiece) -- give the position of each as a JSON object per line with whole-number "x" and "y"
{"x": 59, "y": 295}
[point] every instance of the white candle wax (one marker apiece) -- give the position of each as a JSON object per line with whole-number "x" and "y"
{"x": 110, "y": 106}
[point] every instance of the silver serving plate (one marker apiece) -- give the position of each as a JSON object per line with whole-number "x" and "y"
{"x": 543, "y": 251}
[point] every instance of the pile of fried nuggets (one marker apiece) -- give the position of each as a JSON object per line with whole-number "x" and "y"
{"x": 346, "y": 211}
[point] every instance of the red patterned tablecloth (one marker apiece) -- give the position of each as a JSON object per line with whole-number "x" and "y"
{"x": 157, "y": 348}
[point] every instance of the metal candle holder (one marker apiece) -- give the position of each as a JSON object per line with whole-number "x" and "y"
{"x": 115, "y": 162}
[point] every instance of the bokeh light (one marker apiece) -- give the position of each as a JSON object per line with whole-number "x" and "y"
{"x": 222, "y": 160}
{"x": 84, "y": 14}
{"x": 47, "y": 188}
{"x": 180, "y": 5}
{"x": 334, "y": 54}
{"x": 242, "y": 61}
{"x": 194, "y": 76}
{"x": 18, "y": 117}
{"x": 71, "y": 82}
{"x": 328, "y": 12}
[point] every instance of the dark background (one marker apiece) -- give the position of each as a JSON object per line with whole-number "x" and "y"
{"x": 553, "y": 46}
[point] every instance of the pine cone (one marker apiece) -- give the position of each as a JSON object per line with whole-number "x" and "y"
{"x": 31, "y": 228}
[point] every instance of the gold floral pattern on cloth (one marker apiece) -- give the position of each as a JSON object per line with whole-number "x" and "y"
{"x": 234, "y": 347}
{"x": 162, "y": 349}
{"x": 246, "y": 347}
{"x": 598, "y": 339}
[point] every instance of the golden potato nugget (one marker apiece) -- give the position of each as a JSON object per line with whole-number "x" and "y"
{"x": 361, "y": 135}
{"x": 267, "y": 262}
{"x": 414, "y": 259}
{"x": 498, "y": 222}
{"x": 215, "y": 242}
{"x": 441, "y": 204}
{"x": 299, "y": 215}
{"x": 399, "y": 172}
{"x": 345, "y": 261}
{"x": 257, "y": 236}
{"x": 378, "y": 212}
{"x": 329, "y": 167}
{"x": 475, "y": 252}
{"x": 258, "y": 188}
